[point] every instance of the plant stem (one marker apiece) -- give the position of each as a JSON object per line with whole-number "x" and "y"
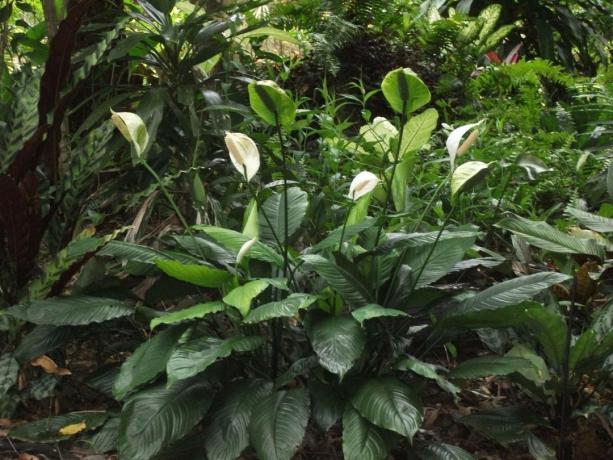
{"x": 564, "y": 446}
{"x": 340, "y": 243}
{"x": 388, "y": 196}
{"x": 502, "y": 194}
{"x": 168, "y": 197}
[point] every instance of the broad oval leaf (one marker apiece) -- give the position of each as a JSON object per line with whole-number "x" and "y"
{"x": 391, "y": 404}
{"x": 278, "y": 424}
{"x": 286, "y": 308}
{"x": 467, "y": 175}
{"x": 403, "y": 89}
{"x": 9, "y": 368}
{"x": 154, "y": 418}
{"x": 197, "y": 355}
{"x": 194, "y": 312}
{"x": 227, "y": 433}
{"x": 592, "y": 221}
{"x": 338, "y": 342}
{"x": 71, "y": 311}
{"x": 362, "y": 440}
{"x": 147, "y": 361}
{"x": 417, "y": 131}
{"x": 372, "y": 310}
{"x": 199, "y": 275}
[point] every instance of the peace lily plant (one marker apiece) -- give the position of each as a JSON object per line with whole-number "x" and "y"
{"x": 286, "y": 327}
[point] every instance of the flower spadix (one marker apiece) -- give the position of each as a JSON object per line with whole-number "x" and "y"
{"x": 365, "y": 182}
{"x": 243, "y": 153}
{"x": 245, "y": 248}
{"x": 455, "y": 146}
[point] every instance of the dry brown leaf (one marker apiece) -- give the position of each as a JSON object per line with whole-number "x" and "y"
{"x": 49, "y": 366}
{"x": 74, "y": 428}
{"x": 26, "y": 456}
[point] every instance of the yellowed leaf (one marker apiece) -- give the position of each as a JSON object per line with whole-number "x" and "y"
{"x": 74, "y": 428}
{"x": 26, "y": 456}
{"x": 49, "y": 366}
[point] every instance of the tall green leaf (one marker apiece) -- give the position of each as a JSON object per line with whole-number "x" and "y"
{"x": 278, "y": 424}
{"x": 490, "y": 365}
{"x": 197, "y": 311}
{"x": 592, "y": 221}
{"x": 274, "y": 208}
{"x": 227, "y": 432}
{"x": 154, "y": 418}
{"x": 417, "y": 131}
{"x": 48, "y": 429}
{"x": 241, "y": 297}
{"x": 403, "y": 88}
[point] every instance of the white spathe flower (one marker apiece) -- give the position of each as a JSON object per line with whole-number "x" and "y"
{"x": 365, "y": 182}
{"x": 243, "y": 153}
{"x": 455, "y": 146}
{"x": 133, "y": 129}
{"x": 245, "y": 248}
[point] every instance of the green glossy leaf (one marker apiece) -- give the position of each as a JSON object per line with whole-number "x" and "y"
{"x": 390, "y": 404}
{"x": 199, "y": 275}
{"x": 511, "y": 292}
{"x": 9, "y": 368}
{"x": 71, "y": 311}
{"x": 592, "y": 221}
{"x": 539, "y": 372}
{"x": 426, "y": 370}
{"x": 327, "y": 404}
{"x": 195, "y": 356}
{"x": 274, "y": 208}
{"x": 286, "y": 308}
{"x": 338, "y": 342}
{"x": 467, "y": 176}
{"x": 372, "y": 310}
{"x": 442, "y": 451}
{"x": 549, "y": 329}
{"x": 154, "y": 418}
{"x": 505, "y": 425}
{"x": 147, "y": 361}
{"x": 227, "y": 431}
{"x": 417, "y": 131}
{"x": 334, "y": 237}
{"x": 402, "y": 88}
{"x": 271, "y": 103}
{"x": 241, "y": 297}
{"x": 197, "y": 311}
{"x": 544, "y": 236}
{"x": 233, "y": 241}
{"x": 362, "y": 440}
{"x": 278, "y": 424}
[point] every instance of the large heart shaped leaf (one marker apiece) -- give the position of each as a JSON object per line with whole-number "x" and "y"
{"x": 338, "y": 342}
{"x": 156, "y": 417}
{"x": 227, "y": 433}
{"x": 278, "y": 424}
{"x": 391, "y": 404}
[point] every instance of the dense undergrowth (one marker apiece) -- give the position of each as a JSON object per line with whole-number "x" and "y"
{"x": 275, "y": 230}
